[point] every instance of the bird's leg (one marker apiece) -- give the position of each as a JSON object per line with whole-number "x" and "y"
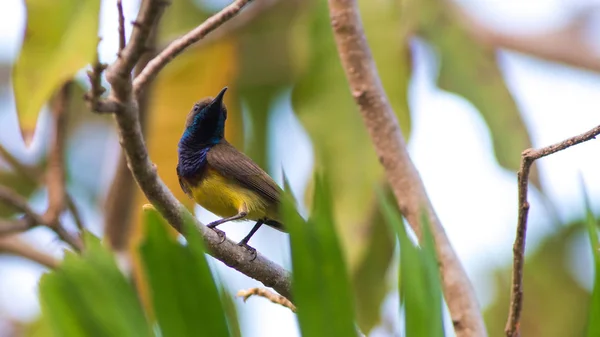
{"x": 244, "y": 242}
{"x": 213, "y": 225}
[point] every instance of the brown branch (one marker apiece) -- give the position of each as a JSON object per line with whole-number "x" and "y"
{"x": 401, "y": 173}
{"x": 75, "y": 213}
{"x": 119, "y": 73}
{"x": 55, "y": 178}
{"x": 121, "y": 28}
{"x": 144, "y": 172}
{"x": 565, "y": 45}
{"x": 14, "y": 246}
{"x": 16, "y": 226}
{"x": 266, "y": 293}
{"x": 121, "y": 195}
{"x": 11, "y": 198}
{"x": 237, "y": 23}
{"x": 94, "y": 96}
{"x": 179, "y": 45}
{"x": 527, "y": 158}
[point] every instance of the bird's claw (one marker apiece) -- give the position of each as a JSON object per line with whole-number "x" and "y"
{"x": 251, "y": 250}
{"x": 220, "y": 233}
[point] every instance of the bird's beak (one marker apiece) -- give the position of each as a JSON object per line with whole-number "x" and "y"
{"x": 218, "y": 101}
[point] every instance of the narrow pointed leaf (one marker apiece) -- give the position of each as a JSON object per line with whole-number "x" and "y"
{"x": 185, "y": 298}
{"x": 420, "y": 289}
{"x": 593, "y": 327}
{"x": 89, "y": 296}
{"x": 321, "y": 284}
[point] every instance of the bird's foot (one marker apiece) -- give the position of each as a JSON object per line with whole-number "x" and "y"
{"x": 250, "y": 250}
{"x": 219, "y": 232}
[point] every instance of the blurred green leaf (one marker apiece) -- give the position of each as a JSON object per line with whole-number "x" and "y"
{"x": 60, "y": 39}
{"x": 263, "y": 76}
{"x": 321, "y": 285}
{"x": 230, "y": 312}
{"x": 420, "y": 288}
{"x": 593, "y": 328}
{"x": 185, "y": 298}
{"x": 89, "y": 296}
{"x": 324, "y": 105}
{"x": 471, "y": 70}
{"x": 371, "y": 270}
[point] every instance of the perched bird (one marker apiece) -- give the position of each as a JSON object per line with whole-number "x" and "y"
{"x": 219, "y": 177}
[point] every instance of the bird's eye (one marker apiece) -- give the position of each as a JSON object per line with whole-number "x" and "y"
{"x": 196, "y": 108}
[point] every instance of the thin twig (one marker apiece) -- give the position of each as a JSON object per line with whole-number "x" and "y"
{"x": 16, "y": 226}
{"x": 565, "y": 45}
{"x": 144, "y": 172}
{"x": 94, "y": 96}
{"x": 266, "y": 293}
{"x": 527, "y": 158}
{"x": 75, "y": 213}
{"x": 14, "y": 246}
{"x": 119, "y": 73}
{"x": 55, "y": 178}
{"x": 27, "y": 171}
{"x": 179, "y": 45}
{"x": 237, "y": 23}
{"x": 382, "y": 124}
{"x": 31, "y": 174}
{"x": 11, "y": 198}
{"x": 121, "y": 28}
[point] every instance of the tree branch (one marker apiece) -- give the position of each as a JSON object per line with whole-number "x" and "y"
{"x": 527, "y": 158}
{"x": 14, "y": 246}
{"x": 122, "y": 192}
{"x": 10, "y": 198}
{"x": 565, "y": 45}
{"x": 402, "y": 175}
{"x": 55, "y": 178}
{"x": 144, "y": 172}
{"x": 179, "y": 45}
{"x": 121, "y": 28}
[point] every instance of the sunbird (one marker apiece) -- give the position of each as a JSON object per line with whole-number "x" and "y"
{"x": 219, "y": 177}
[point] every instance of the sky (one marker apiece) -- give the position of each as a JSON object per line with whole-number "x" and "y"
{"x": 475, "y": 199}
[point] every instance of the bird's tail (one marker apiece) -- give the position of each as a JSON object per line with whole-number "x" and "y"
{"x": 275, "y": 224}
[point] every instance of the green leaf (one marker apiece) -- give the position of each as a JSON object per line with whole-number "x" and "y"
{"x": 184, "y": 296}
{"x": 60, "y": 39}
{"x": 264, "y": 76}
{"x": 593, "y": 327}
{"x": 321, "y": 285}
{"x": 369, "y": 290}
{"x": 420, "y": 288}
{"x": 471, "y": 70}
{"x": 89, "y": 296}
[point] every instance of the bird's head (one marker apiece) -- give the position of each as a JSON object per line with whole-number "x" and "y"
{"x": 205, "y": 123}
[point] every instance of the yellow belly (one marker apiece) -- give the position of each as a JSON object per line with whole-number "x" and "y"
{"x": 226, "y": 198}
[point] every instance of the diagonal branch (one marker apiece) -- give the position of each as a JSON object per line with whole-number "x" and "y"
{"x": 179, "y": 45}
{"x": 402, "y": 175}
{"x": 14, "y": 246}
{"x": 55, "y": 178}
{"x": 13, "y": 199}
{"x": 527, "y": 158}
{"x": 144, "y": 171}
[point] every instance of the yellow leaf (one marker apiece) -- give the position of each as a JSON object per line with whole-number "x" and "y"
{"x": 61, "y": 38}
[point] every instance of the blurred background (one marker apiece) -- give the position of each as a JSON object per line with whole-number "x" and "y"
{"x": 473, "y": 82}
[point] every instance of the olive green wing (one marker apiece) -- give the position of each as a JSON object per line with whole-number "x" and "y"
{"x": 231, "y": 163}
